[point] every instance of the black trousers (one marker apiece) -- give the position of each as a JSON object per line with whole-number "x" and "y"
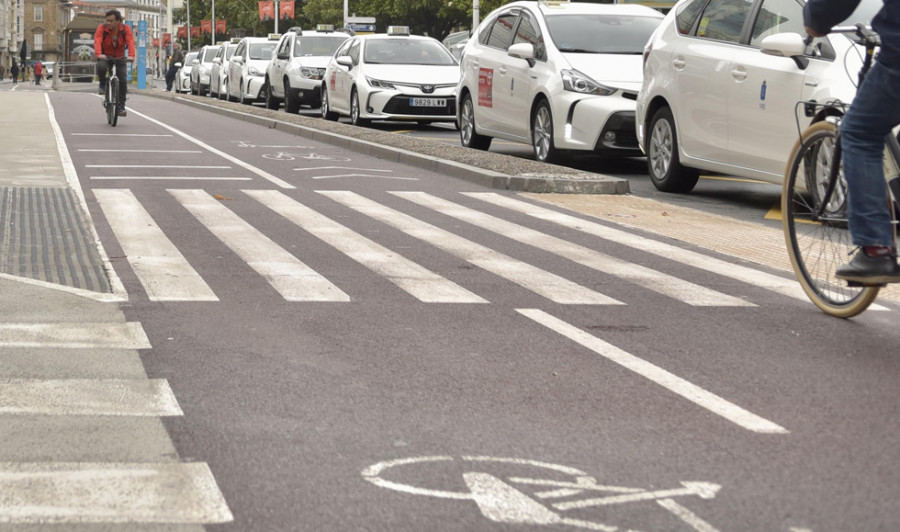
{"x": 170, "y": 77}
{"x": 121, "y": 69}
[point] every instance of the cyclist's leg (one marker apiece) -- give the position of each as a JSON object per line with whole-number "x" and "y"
{"x": 874, "y": 112}
{"x": 102, "y": 72}
{"x": 122, "y": 73}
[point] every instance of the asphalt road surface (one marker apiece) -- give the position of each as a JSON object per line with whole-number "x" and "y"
{"x": 356, "y": 344}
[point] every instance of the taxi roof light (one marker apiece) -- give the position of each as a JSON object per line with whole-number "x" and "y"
{"x": 324, "y": 27}
{"x": 398, "y": 30}
{"x": 235, "y": 40}
{"x": 274, "y": 36}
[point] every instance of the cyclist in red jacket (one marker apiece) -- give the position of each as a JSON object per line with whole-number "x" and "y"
{"x": 110, "y": 41}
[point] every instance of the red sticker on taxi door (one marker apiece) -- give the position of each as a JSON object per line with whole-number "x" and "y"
{"x": 486, "y": 87}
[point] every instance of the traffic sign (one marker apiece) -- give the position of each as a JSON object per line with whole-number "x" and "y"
{"x": 361, "y": 27}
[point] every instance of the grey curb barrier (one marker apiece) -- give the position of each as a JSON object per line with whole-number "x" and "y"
{"x": 535, "y": 176}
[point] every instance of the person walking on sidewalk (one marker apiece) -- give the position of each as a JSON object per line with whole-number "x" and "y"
{"x": 14, "y": 70}
{"x": 38, "y": 72}
{"x": 110, "y": 42}
{"x": 177, "y": 58}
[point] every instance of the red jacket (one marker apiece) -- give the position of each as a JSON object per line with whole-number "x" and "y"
{"x": 38, "y": 68}
{"x": 103, "y": 42}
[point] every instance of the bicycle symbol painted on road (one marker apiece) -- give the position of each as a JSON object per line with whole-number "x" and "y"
{"x": 281, "y": 156}
{"x": 552, "y": 490}
{"x": 245, "y": 144}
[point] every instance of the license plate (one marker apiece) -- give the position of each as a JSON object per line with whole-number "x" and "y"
{"x": 428, "y": 102}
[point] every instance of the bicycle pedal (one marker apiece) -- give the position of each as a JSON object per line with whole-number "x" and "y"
{"x": 857, "y": 284}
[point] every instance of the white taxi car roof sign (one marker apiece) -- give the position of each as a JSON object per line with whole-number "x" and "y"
{"x": 398, "y": 30}
{"x": 274, "y": 36}
{"x": 235, "y": 40}
{"x": 324, "y": 27}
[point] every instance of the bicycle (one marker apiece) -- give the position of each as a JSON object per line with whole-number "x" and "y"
{"x": 814, "y": 206}
{"x": 111, "y": 96}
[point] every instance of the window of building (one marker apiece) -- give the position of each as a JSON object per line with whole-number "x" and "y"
{"x": 38, "y": 13}
{"x": 38, "y": 41}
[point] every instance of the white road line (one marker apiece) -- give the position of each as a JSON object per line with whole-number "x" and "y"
{"x": 88, "y": 397}
{"x": 304, "y": 169}
{"x": 419, "y": 282}
{"x": 149, "y": 166}
{"x": 672, "y": 382}
{"x": 120, "y": 135}
{"x": 686, "y": 515}
{"x": 128, "y": 335}
{"x": 741, "y": 273}
{"x": 690, "y": 293}
{"x": 84, "y": 492}
{"x": 364, "y": 175}
{"x": 541, "y": 282}
{"x": 293, "y": 279}
{"x": 107, "y": 150}
{"x": 164, "y": 178}
{"x": 261, "y": 173}
{"x": 162, "y": 270}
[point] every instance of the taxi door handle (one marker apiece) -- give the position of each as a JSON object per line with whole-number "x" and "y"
{"x": 739, "y": 74}
{"x": 678, "y": 63}
{"x": 811, "y": 83}
{"x": 502, "y": 71}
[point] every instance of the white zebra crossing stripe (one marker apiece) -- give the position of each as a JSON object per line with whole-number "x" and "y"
{"x": 672, "y": 382}
{"x": 78, "y": 397}
{"x": 162, "y": 270}
{"x": 741, "y": 273}
{"x": 293, "y": 279}
{"x": 409, "y": 276}
{"x": 688, "y": 292}
{"x": 69, "y": 493}
{"x": 128, "y": 335}
{"x": 549, "y": 285}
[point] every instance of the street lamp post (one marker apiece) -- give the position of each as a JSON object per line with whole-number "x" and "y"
{"x": 189, "y": 25}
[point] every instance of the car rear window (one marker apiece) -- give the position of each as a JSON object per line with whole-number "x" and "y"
{"x": 601, "y": 34}
{"x": 262, "y": 50}
{"x": 318, "y": 45}
{"x": 403, "y": 51}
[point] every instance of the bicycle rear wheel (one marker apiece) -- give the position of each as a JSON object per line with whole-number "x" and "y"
{"x": 818, "y": 245}
{"x": 112, "y": 96}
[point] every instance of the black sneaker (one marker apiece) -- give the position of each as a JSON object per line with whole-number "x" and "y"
{"x": 102, "y": 90}
{"x": 122, "y": 112}
{"x": 865, "y": 269}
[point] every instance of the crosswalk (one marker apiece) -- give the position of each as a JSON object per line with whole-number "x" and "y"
{"x": 167, "y": 275}
{"x": 92, "y": 449}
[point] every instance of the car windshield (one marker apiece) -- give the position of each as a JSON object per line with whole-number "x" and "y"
{"x": 209, "y": 55}
{"x": 189, "y": 58}
{"x": 402, "y": 51}
{"x": 262, "y": 50}
{"x": 318, "y": 45}
{"x": 601, "y": 34}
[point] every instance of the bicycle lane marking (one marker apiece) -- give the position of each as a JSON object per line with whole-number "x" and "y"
{"x": 664, "y": 378}
{"x": 500, "y": 501}
{"x": 261, "y": 173}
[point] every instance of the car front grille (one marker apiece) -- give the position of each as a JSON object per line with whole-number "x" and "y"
{"x": 400, "y": 105}
{"x": 622, "y": 124}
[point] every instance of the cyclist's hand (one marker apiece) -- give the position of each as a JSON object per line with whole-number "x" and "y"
{"x": 129, "y": 59}
{"x": 813, "y": 32}
{"x": 101, "y": 57}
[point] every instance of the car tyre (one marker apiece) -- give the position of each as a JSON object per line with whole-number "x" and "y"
{"x": 325, "y": 108}
{"x": 468, "y": 137}
{"x": 243, "y": 99}
{"x": 291, "y": 105}
{"x": 663, "y": 164}
{"x": 542, "y": 134}
{"x": 355, "y": 110}
{"x": 271, "y": 101}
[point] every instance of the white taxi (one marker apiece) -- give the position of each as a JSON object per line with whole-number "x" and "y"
{"x": 557, "y": 75}
{"x": 392, "y": 76}
{"x": 219, "y": 66}
{"x": 183, "y": 74}
{"x": 295, "y": 73}
{"x": 201, "y": 67}
{"x": 246, "y": 72}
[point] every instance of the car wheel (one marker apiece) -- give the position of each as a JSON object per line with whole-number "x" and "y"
{"x": 325, "y": 109}
{"x": 271, "y": 102}
{"x": 665, "y": 169}
{"x": 291, "y": 105}
{"x": 542, "y": 134}
{"x": 355, "y": 110}
{"x": 243, "y": 99}
{"x": 467, "y": 135}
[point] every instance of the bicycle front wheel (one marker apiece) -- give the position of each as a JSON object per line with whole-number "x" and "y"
{"x": 112, "y": 95}
{"x": 819, "y": 243}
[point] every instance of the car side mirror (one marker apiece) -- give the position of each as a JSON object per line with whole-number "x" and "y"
{"x": 786, "y": 45}
{"x": 345, "y": 60}
{"x": 217, "y": 61}
{"x": 283, "y": 56}
{"x": 195, "y": 62}
{"x": 177, "y": 65}
{"x": 522, "y": 50}
{"x": 237, "y": 59}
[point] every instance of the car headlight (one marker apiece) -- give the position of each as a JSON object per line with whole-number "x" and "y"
{"x": 310, "y": 72}
{"x": 379, "y": 84}
{"x": 253, "y": 71}
{"x": 575, "y": 81}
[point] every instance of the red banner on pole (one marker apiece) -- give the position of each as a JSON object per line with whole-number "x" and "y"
{"x": 195, "y": 31}
{"x": 220, "y": 26}
{"x": 167, "y": 40}
{"x": 286, "y": 9}
{"x": 182, "y": 32}
{"x": 156, "y": 42}
{"x": 267, "y": 10}
{"x": 206, "y": 26}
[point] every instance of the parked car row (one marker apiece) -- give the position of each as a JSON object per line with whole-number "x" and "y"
{"x": 712, "y": 86}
